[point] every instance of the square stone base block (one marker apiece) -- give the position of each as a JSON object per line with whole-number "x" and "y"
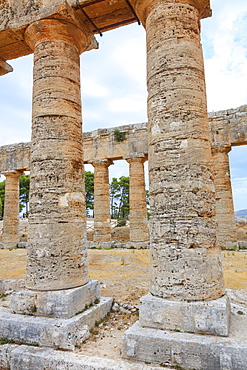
{"x": 52, "y": 332}
{"x": 204, "y": 317}
{"x": 13, "y": 357}
{"x": 183, "y": 350}
{"x": 57, "y": 303}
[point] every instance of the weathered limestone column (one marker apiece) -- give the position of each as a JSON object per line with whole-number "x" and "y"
{"x": 227, "y": 236}
{"x": 102, "y": 218}
{"x": 11, "y": 232}
{"x": 187, "y": 286}
{"x": 138, "y": 205}
{"x": 57, "y": 268}
{"x": 57, "y": 256}
{"x": 185, "y": 258}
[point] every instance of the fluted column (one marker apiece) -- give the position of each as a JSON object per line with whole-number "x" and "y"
{"x": 187, "y": 286}
{"x": 11, "y": 232}
{"x": 227, "y": 236}
{"x": 102, "y": 218}
{"x": 57, "y": 255}
{"x": 138, "y": 205}
{"x": 185, "y": 262}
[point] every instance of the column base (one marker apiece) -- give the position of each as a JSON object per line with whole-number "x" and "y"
{"x": 242, "y": 244}
{"x": 138, "y": 245}
{"x": 204, "y": 317}
{"x": 52, "y": 332}
{"x": 9, "y": 245}
{"x": 114, "y": 244}
{"x": 230, "y": 245}
{"x": 59, "y": 303}
{"x": 187, "y": 351}
{"x": 14, "y": 246}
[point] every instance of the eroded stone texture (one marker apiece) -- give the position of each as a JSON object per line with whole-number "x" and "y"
{"x": 138, "y": 204}
{"x": 184, "y": 350}
{"x": 185, "y": 260}
{"x": 59, "y": 333}
{"x": 60, "y": 304}
{"x": 102, "y": 218}
{"x": 57, "y": 257}
{"x": 11, "y": 234}
{"x": 227, "y": 236}
{"x": 201, "y": 317}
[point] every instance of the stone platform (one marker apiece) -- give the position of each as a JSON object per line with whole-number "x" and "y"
{"x": 188, "y": 351}
{"x": 23, "y": 357}
{"x": 52, "y": 332}
{"x": 56, "y": 303}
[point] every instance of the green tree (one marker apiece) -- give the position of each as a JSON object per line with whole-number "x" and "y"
{"x": 2, "y": 194}
{"x": 114, "y": 197}
{"x": 123, "y": 209}
{"x": 119, "y": 197}
{"x": 89, "y": 189}
{"x": 24, "y": 182}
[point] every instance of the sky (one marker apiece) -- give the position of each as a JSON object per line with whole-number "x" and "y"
{"x": 113, "y": 81}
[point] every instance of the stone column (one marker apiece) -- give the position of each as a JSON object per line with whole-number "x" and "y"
{"x": 138, "y": 205}
{"x": 227, "y": 236}
{"x": 11, "y": 232}
{"x": 57, "y": 256}
{"x": 185, "y": 258}
{"x": 102, "y": 218}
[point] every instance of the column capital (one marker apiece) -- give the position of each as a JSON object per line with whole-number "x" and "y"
{"x": 221, "y": 149}
{"x": 136, "y": 155}
{"x": 144, "y": 7}
{"x": 64, "y": 25}
{"x": 101, "y": 162}
{"x": 139, "y": 159}
{"x": 14, "y": 173}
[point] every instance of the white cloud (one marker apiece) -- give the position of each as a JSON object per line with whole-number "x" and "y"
{"x": 90, "y": 87}
{"x": 130, "y": 56}
{"x": 239, "y": 190}
{"x": 132, "y": 103}
{"x": 90, "y": 115}
{"x": 240, "y": 185}
{"x": 226, "y": 67}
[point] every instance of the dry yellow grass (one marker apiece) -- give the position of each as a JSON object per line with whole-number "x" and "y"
{"x": 124, "y": 274}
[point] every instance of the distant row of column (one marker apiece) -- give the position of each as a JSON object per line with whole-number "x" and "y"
{"x": 137, "y": 200}
{"x": 138, "y": 209}
{"x": 10, "y": 233}
{"x": 102, "y": 220}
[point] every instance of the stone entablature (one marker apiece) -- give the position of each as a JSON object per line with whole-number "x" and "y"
{"x": 15, "y": 157}
{"x": 102, "y": 144}
{"x": 228, "y": 128}
{"x": 15, "y": 16}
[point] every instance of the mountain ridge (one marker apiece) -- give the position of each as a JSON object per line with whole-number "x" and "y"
{"x": 242, "y": 213}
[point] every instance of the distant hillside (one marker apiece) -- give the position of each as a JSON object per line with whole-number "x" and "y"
{"x": 242, "y": 213}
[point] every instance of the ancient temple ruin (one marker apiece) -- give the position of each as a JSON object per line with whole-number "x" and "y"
{"x": 185, "y": 319}
{"x": 228, "y": 129}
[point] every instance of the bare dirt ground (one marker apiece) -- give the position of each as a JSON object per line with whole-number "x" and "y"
{"x": 124, "y": 275}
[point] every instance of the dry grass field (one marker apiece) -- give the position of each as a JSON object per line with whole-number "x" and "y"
{"x": 124, "y": 275}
